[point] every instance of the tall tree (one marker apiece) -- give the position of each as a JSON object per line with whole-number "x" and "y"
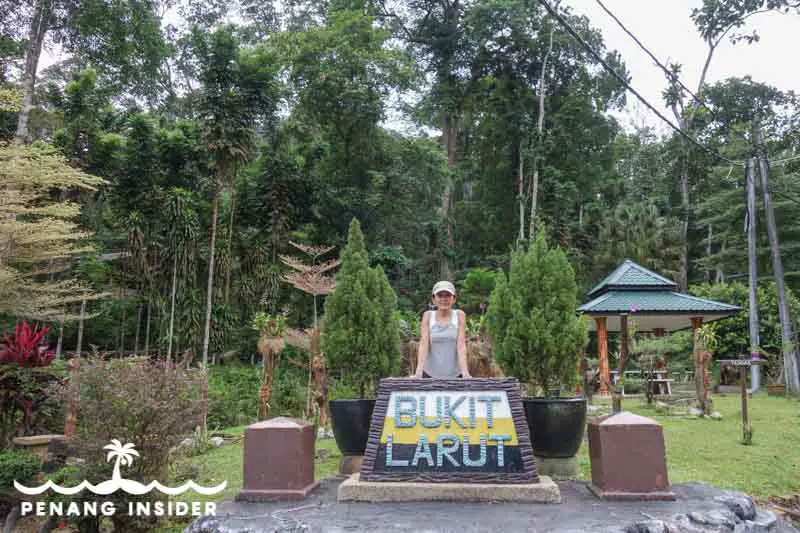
{"x": 37, "y": 234}
{"x": 715, "y": 20}
{"x": 122, "y": 39}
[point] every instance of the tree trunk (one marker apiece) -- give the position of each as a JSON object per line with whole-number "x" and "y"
{"x": 708, "y": 253}
{"x": 172, "y": 308}
{"x": 12, "y": 518}
{"x": 138, "y": 329}
{"x": 60, "y": 342}
{"x": 449, "y": 130}
{"x": 121, "y": 346}
{"x": 80, "y": 328}
{"x": 39, "y": 26}
{"x": 521, "y": 192}
{"x": 752, "y": 271}
{"x": 147, "y": 330}
{"x": 720, "y": 275}
{"x": 683, "y": 276}
{"x": 792, "y": 378}
{"x": 230, "y": 244}
{"x": 210, "y": 286}
{"x": 539, "y": 135}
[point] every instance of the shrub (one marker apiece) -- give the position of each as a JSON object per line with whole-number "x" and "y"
{"x": 26, "y": 374}
{"x": 232, "y": 395}
{"x": 535, "y": 332}
{"x": 732, "y": 334}
{"x": 360, "y": 336}
{"x": 19, "y": 466}
{"x": 138, "y": 401}
{"x": 475, "y": 291}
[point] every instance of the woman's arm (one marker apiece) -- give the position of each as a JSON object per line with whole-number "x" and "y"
{"x": 462, "y": 345}
{"x": 424, "y": 341}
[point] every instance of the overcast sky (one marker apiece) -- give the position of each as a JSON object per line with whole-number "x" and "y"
{"x": 666, "y": 29}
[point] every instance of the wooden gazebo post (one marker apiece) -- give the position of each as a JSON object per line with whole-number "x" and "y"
{"x": 616, "y": 401}
{"x": 602, "y": 348}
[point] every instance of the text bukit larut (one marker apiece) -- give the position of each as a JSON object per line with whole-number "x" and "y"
{"x": 472, "y": 422}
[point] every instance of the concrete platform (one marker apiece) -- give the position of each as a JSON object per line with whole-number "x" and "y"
{"x": 580, "y": 511}
{"x": 355, "y": 490}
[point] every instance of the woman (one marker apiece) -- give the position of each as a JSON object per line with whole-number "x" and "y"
{"x": 443, "y": 339}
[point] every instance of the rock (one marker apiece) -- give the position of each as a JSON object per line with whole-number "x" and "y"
{"x": 212, "y": 524}
{"x": 764, "y": 520}
{"x": 216, "y": 441}
{"x": 750, "y": 526}
{"x": 324, "y": 433}
{"x": 323, "y": 454}
{"x": 685, "y": 525}
{"x": 648, "y": 526}
{"x": 742, "y": 506}
{"x": 716, "y": 415}
{"x": 722, "y": 518}
{"x": 694, "y": 411}
{"x": 183, "y": 445}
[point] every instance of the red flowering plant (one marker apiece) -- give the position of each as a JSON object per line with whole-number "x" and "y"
{"x": 25, "y": 377}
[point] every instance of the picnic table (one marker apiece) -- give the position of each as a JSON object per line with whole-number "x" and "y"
{"x": 660, "y": 383}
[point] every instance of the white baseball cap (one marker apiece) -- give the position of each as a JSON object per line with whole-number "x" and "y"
{"x": 444, "y": 286}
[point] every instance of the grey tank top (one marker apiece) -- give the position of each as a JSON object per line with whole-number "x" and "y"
{"x": 442, "y": 360}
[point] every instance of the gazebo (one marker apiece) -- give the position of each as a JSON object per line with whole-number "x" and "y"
{"x": 634, "y": 291}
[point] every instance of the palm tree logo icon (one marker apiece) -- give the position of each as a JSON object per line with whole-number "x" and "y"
{"x": 123, "y": 454}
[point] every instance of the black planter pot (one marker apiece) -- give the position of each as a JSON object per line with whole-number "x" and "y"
{"x": 351, "y": 420}
{"x": 556, "y": 425}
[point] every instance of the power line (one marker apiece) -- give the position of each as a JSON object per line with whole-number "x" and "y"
{"x": 628, "y": 86}
{"x": 670, "y": 75}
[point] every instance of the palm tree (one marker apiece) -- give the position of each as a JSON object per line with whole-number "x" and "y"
{"x": 238, "y": 87}
{"x": 122, "y": 453}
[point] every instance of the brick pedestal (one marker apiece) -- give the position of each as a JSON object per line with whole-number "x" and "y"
{"x": 628, "y": 458}
{"x": 278, "y": 460}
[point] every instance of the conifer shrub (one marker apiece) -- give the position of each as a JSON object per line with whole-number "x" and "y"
{"x": 360, "y": 336}
{"x": 536, "y": 334}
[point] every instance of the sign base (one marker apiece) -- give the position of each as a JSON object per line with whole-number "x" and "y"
{"x": 353, "y": 489}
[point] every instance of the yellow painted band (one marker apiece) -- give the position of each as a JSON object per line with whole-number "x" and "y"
{"x": 500, "y": 426}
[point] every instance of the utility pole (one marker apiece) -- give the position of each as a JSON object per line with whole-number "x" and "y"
{"x": 752, "y": 270}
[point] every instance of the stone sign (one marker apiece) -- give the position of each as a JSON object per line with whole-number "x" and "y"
{"x": 465, "y": 430}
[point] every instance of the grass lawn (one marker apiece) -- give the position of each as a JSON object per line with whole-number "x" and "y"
{"x": 697, "y": 450}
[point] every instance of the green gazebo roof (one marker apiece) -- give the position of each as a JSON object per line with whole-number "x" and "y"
{"x": 650, "y": 300}
{"x": 630, "y": 276}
